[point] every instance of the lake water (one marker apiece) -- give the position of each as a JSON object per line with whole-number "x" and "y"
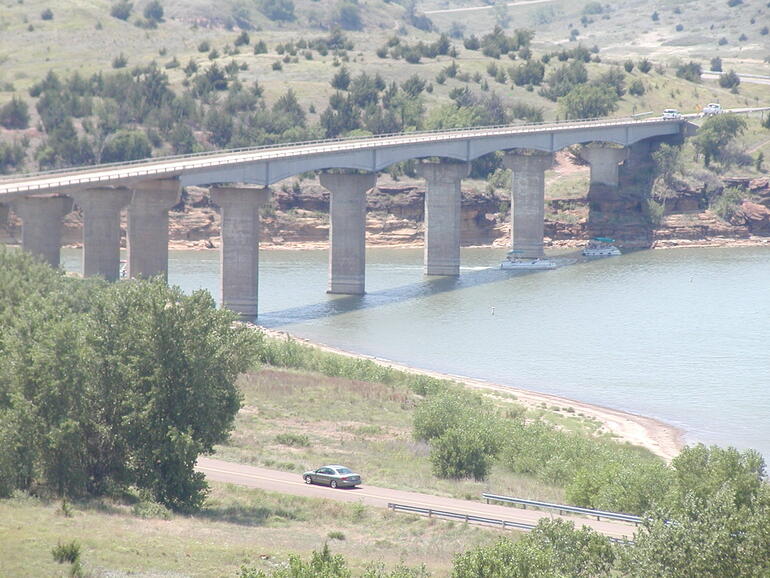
{"x": 681, "y": 335}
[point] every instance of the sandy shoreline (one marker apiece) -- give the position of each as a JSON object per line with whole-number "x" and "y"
{"x": 213, "y": 244}
{"x": 660, "y": 438}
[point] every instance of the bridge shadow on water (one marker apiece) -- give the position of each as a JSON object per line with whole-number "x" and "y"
{"x": 427, "y": 286}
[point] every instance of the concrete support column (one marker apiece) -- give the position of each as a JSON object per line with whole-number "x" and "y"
{"x": 3, "y": 215}
{"x": 101, "y": 230}
{"x": 41, "y": 225}
{"x": 347, "y": 234}
{"x": 442, "y": 216}
{"x": 604, "y": 163}
{"x": 239, "y": 247}
{"x": 528, "y": 200}
{"x": 147, "y": 236}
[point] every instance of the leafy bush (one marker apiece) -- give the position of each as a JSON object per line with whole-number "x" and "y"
{"x": 153, "y": 11}
{"x": 293, "y": 440}
{"x": 690, "y": 71}
{"x": 66, "y": 553}
{"x": 122, "y": 10}
{"x": 278, "y": 10}
{"x": 727, "y": 204}
{"x": 14, "y": 114}
{"x": 636, "y": 88}
{"x": 464, "y": 451}
{"x": 729, "y": 79}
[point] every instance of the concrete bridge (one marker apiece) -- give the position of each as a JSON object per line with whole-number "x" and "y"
{"x": 239, "y": 181}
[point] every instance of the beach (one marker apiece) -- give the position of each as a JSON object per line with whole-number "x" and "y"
{"x": 658, "y": 437}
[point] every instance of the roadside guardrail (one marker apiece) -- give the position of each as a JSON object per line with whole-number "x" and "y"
{"x": 564, "y": 508}
{"x": 430, "y": 512}
{"x": 469, "y": 518}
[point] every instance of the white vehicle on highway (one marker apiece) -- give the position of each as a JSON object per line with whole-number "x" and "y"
{"x": 672, "y": 113}
{"x": 711, "y": 109}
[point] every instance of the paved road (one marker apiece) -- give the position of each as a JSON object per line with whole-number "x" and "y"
{"x": 749, "y": 78}
{"x": 292, "y": 483}
{"x": 488, "y": 7}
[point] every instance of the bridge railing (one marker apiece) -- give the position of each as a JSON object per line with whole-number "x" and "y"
{"x": 561, "y": 508}
{"x": 471, "y": 519}
{"x": 409, "y": 136}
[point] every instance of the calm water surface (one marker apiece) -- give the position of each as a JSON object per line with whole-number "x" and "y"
{"x": 681, "y": 335}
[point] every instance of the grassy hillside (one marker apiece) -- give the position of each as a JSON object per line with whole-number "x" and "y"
{"x": 290, "y": 420}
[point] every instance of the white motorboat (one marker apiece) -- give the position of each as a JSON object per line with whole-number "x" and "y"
{"x": 601, "y": 247}
{"x": 517, "y": 262}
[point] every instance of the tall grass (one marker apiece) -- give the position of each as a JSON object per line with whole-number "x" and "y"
{"x": 290, "y": 354}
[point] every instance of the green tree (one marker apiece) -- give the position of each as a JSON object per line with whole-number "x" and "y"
{"x": 105, "y": 386}
{"x": 347, "y": 15}
{"x": 121, "y": 9}
{"x": 711, "y": 538}
{"x": 689, "y": 71}
{"x": 588, "y": 101}
{"x": 14, "y": 114}
{"x": 729, "y": 80}
{"x": 153, "y": 11}
{"x": 279, "y": 10}
{"x": 126, "y": 145}
{"x": 554, "y": 548}
{"x": 715, "y": 133}
{"x": 341, "y": 80}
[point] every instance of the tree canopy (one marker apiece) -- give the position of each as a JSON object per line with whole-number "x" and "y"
{"x": 112, "y": 386}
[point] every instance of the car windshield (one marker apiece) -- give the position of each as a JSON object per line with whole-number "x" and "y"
{"x": 344, "y": 471}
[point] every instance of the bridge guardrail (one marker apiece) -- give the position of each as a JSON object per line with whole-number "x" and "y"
{"x": 409, "y": 137}
{"x": 468, "y": 518}
{"x": 564, "y": 508}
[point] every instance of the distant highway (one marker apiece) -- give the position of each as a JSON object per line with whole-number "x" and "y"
{"x": 474, "y": 8}
{"x": 292, "y": 483}
{"x": 748, "y": 78}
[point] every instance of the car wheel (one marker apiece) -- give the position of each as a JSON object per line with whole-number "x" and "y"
{"x": 308, "y": 480}
{"x": 333, "y": 483}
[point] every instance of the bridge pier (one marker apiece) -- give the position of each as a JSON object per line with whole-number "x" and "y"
{"x": 605, "y": 164}
{"x": 528, "y": 200}
{"x": 347, "y": 233}
{"x": 147, "y": 235}
{"x": 41, "y": 225}
{"x": 442, "y": 215}
{"x": 101, "y": 230}
{"x": 239, "y": 247}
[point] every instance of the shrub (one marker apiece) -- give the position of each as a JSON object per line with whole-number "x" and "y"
{"x": 243, "y": 39}
{"x": 204, "y": 46}
{"x": 293, "y": 440}
{"x": 727, "y": 204}
{"x": 462, "y": 452}
{"x": 636, "y": 88}
{"x": 120, "y": 61}
{"x": 122, "y": 10}
{"x": 690, "y": 71}
{"x": 729, "y": 79}
{"x": 66, "y": 553}
{"x": 14, "y": 114}
{"x": 644, "y": 65}
{"x": 716, "y": 64}
{"x": 336, "y": 535}
{"x": 153, "y": 11}
{"x": 260, "y": 47}
{"x": 46, "y": 14}
{"x": 279, "y": 10}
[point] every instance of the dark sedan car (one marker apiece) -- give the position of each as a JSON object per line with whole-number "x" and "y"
{"x": 334, "y": 476}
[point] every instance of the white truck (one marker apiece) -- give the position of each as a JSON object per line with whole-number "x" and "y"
{"x": 711, "y": 109}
